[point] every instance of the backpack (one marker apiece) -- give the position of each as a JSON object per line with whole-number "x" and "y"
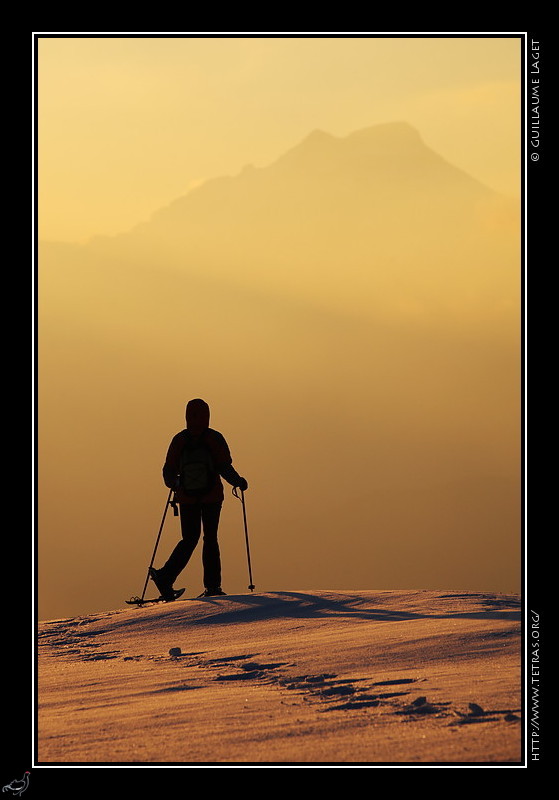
{"x": 197, "y": 471}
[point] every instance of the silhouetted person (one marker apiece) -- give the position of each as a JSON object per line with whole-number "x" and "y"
{"x": 196, "y": 459}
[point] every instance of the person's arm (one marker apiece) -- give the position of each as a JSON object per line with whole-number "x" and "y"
{"x": 232, "y": 476}
{"x": 224, "y": 464}
{"x": 172, "y": 462}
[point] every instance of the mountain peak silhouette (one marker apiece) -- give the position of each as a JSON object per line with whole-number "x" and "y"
{"x": 373, "y": 223}
{"x": 392, "y": 153}
{"x": 382, "y": 177}
{"x": 376, "y": 140}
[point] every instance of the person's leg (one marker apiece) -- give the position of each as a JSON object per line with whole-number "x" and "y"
{"x": 190, "y": 516}
{"x": 211, "y": 558}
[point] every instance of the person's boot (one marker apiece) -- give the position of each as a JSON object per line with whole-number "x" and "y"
{"x": 212, "y": 592}
{"x": 165, "y": 586}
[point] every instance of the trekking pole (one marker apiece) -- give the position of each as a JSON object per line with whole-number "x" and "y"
{"x": 242, "y": 499}
{"x": 167, "y": 504}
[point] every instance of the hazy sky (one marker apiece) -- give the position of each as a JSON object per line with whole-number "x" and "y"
{"x": 126, "y": 125}
{"x": 356, "y": 334}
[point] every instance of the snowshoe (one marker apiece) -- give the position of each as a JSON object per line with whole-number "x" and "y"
{"x": 137, "y": 601}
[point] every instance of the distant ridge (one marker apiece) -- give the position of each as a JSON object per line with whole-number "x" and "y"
{"x": 370, "y": 206}
{"x": 385, "y": 164}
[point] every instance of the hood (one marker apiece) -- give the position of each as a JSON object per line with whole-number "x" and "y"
{"x": 197, "y": 416}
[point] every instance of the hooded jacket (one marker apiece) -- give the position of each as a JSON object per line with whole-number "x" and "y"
{"x": 197, "y": 428}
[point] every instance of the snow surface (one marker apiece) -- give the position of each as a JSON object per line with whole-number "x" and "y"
{"x": 285, "y": 678}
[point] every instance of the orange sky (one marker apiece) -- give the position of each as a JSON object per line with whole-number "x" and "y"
{"x": 359, "y": 348}
{"x": 129, "y": 124}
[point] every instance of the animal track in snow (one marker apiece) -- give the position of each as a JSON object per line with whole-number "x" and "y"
{"x": 330, "y": 690}
{"x": 70, "y": 638}
{"x": 252, "y": 670}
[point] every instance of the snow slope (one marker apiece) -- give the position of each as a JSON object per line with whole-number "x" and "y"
{"x": 285, "y": 678}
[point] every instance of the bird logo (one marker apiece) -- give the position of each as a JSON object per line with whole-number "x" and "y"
{"x": 17, "y": 787}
